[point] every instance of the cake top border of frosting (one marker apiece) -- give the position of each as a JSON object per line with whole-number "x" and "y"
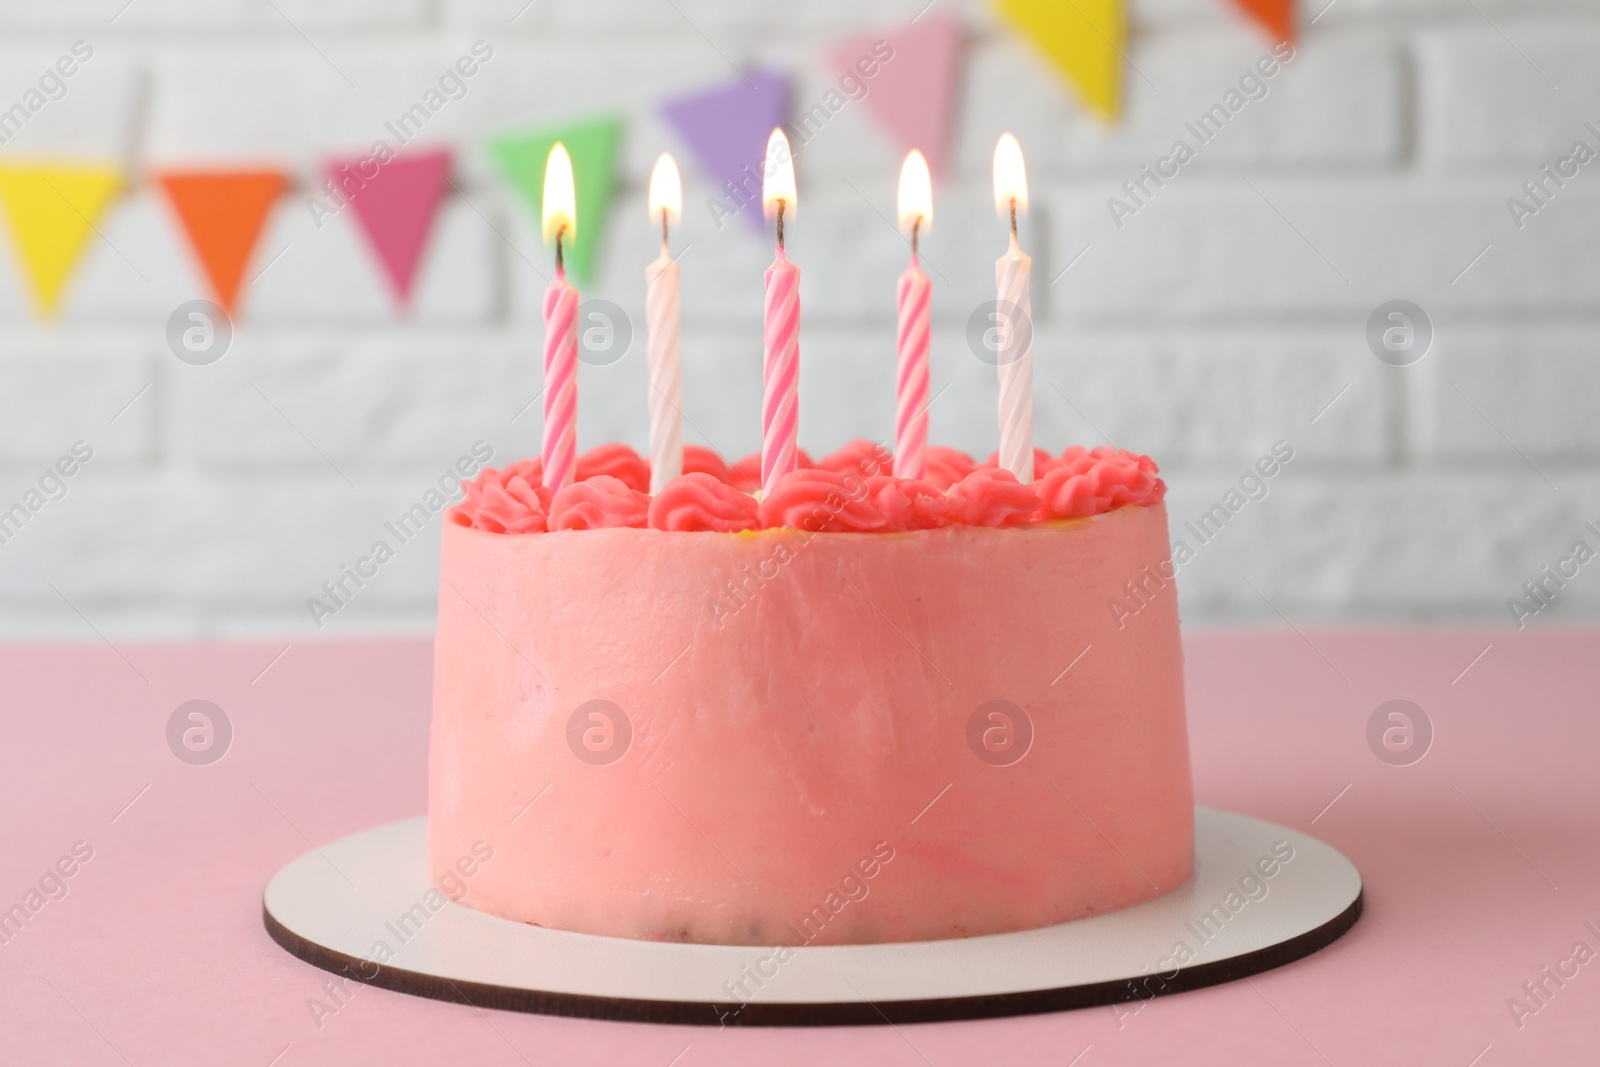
{"x": 848, "y": 491}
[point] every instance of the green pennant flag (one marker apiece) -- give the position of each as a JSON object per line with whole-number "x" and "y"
{"x": 592, "y": 143}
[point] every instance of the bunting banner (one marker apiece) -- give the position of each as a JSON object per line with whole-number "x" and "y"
{"x": 912, "y": 95}
{"x": 222, "y": 211}
{"x": 1275, "y": 16}
{"x": 906, "y": 79}
{"x": 593, "y": 144}
{"x": 51, "y": 210}
{"x": 726, "y": 128}
{"x": 395, "y": 207}
{"x": 1082, "y": 39}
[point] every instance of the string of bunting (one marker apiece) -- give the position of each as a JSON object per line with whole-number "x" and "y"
{"x": 906, "y": 78}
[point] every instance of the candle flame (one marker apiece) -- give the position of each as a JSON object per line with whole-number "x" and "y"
{"x": 1010, "y": 177}
{"x": 916, "y": 193}
{"x": 777, "y": 182}
{"x": 666, "y": 191}
{"x": 560, "y": 202}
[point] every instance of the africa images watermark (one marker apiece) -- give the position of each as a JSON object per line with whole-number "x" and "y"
{"x": 51, "y": 86}
{"x": 738, "y": 593}
{"x": 853, "y": 86}
{"x": 853, "y": 888}
{"x": 341, "y": 589}
{"x": 453, "y": 85}
{"x": 451, "y": 885}
{"x": 1541, "y": 592}
{"x": 1142, "y": 590}
{"x": 1552, "y": 178}
{"x": 1252, "y": 887}
{"x": 52, "y": 886}
{"x": 53, "y": 486}
{"x": 1253, "y": 85}
{"x": 1537, "y": 993}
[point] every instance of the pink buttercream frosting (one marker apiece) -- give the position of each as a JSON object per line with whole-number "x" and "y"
{"x": 819, "y": 500}
{"x": 866, "y": 458}
{"x": 698, "y": 459}
{"x": 597, "y": 504}
{"x": 699, "y": 501}
{"x": 990, "y": 496}
{"x": 947, "y": 466}
{"x": 512, "y": 499}
{"x": 849, "y": 490}
{"x": 908, "y": 504}
{"x": 619, "y": 462}
{"x": 1089, "y": 482}
{"x": 760, "y": 713}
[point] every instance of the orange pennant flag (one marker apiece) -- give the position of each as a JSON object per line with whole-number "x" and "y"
{"x": 223, "y": 212}
{"x": 1277, "y": 16}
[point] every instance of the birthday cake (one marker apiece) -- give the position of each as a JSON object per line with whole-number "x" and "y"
{"x": 852, "y": 709}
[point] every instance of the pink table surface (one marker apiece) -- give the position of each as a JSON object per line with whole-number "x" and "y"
{"x": 1481, "y": 864}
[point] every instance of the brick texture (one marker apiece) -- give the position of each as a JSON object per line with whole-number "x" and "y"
{"x": 1201, "y": 319}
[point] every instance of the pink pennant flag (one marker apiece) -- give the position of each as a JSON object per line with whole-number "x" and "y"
{"x": 395, "y": 203}
{"x": 913, "y": 94}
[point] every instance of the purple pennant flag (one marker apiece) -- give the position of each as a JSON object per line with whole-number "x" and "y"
{"x": 727, "y": 129}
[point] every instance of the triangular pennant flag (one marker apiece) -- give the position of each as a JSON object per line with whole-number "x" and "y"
{"x": 51, "y": 209}
{"x": 1276, "y": 16}
{"x": 592, "y": 143}
{"x": 395, "y": 207}
{"x": 223, "y": 211}
{"x": 727, "y": 129}
{"x": 1081, "y": 38}
{"x": 913, "y": 94}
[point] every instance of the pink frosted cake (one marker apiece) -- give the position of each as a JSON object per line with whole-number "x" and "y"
{"x": 862, "y": 709}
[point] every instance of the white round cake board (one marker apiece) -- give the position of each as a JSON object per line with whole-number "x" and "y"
{"x": 344, "y": 907}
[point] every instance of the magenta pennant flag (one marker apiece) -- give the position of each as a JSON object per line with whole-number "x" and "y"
{"x": 727, "y": 129}
{"x": 912, "y": 95}
{"x": 395, "y": 203}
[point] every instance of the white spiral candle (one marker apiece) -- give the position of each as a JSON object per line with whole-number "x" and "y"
{"x": 661, "y": 320}
{"x": 1014, "y": 317}
{"x": 1014, "y": 272}
{"x": 666, "y": 373}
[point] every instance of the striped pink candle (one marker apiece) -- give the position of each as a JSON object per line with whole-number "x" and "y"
{"x": 780, "y": 334}
{"x": 780, "y": 404}
{"x": 912, "y": 302}
{"x": 559, "y": 221}
{"x": 911, "y": 393}
{"x": 560, "y": 383}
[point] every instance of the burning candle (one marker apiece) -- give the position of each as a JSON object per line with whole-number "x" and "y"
{"x": 913, "y": 299}
{"x": 1014, "y": 321}
{"x": 661, "y": 312}
{"x": 560, "y": 328}
{"x": 780, "y": 403}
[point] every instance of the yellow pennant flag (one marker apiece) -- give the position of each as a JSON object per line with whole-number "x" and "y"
{"x": 1081, "y": 38}
{"x": 51, "y": 209}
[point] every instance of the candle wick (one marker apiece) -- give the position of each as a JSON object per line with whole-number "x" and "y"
{"x": 561, "y": 264}
{"x": 664, "y": 233}
{"x": 916, "y": 231}
{"x": 1013, "y": 218}
{"x": 780, "y": 222}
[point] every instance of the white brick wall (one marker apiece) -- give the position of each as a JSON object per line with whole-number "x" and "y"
{"x": 1225, "y": 315}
